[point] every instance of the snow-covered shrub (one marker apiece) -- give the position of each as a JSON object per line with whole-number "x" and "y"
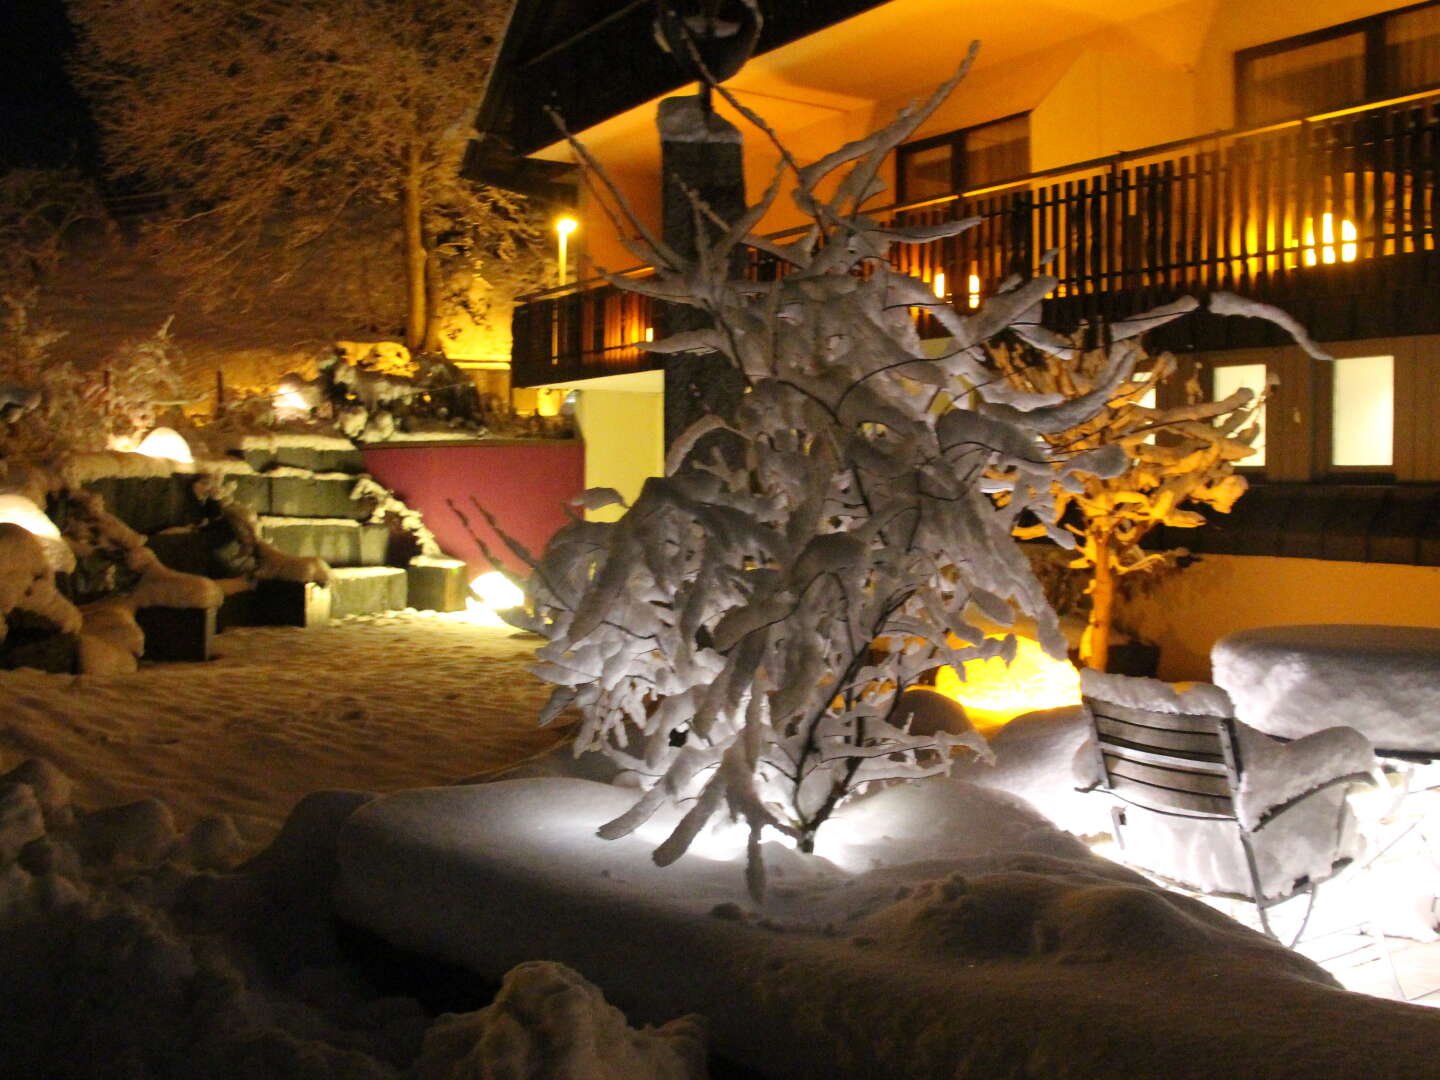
{"x": 78, "y": 410}
{"x": 743, "y": 636}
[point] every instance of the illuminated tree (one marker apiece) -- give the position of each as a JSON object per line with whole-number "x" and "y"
{"x": 1177, "y": 458}
{"x": 284, "y": 131}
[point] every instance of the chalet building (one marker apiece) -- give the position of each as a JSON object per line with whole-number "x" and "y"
{"x": 1286, "y": 151}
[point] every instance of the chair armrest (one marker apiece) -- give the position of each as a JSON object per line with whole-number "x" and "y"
{"x": 1275, "y": 775}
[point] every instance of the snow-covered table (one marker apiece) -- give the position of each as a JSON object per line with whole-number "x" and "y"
{"x": 1383, "y": 681}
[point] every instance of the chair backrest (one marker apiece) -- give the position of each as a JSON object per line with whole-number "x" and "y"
{"x": 1174, "y": 763}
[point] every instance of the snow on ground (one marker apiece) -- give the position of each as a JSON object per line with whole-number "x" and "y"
{"x": 373, "y": 704}
{"x": 127, "y": 951}
{"x": 940, "y": 931}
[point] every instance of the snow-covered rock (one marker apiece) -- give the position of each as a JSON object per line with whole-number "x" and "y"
{"x": 547, "y": 1021}
{"x": 52, "y": 790}
{"x": 21, "y": 820}
{"x": 142, "y": 831}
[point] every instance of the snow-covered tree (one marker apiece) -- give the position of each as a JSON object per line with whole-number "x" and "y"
{"x": 1177, "y": 456}
{"x": 284, "y": 132}
{"x": 743, "y": 635}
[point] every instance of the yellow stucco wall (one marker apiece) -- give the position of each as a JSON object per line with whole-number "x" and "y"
{"x": 624, "y": 435}
{"x": 1185, "y": 613}
{"x": 1096, "y": 79}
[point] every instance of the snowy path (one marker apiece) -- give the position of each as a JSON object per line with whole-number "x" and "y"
{"x": 378, "y": 703}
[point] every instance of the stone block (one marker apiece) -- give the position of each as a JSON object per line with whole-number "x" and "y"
{"x": 176, "y": 634}
{"x": 337, "y": 542}
{"x": 45, "y": 651}
{"x": 315, "y": 497}
{"x": 149, "y": 503}
{"x": 291, "y": 603}
{"x": 307, "y": 457}
{"x": 252, "y": 491}
{"x": 185, "y": 549}
{"x": 374, "y": 546}
{"x": 364, "y": 590}
{"x": 438, "y": 585}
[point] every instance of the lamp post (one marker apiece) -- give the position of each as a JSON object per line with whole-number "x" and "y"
{"x": 563, "y": 228}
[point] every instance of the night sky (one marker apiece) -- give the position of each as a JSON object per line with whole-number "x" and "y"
{"x": 45, "y": 122}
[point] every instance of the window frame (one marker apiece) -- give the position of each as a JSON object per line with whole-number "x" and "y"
{"x": 955, "y": 139}
{"x": 1377, "y": 78}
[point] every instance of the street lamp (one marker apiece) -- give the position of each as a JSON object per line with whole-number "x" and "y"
{"x": 563, "y": 228}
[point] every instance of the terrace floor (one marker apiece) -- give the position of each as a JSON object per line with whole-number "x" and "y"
{"x": 1395, "y": 893}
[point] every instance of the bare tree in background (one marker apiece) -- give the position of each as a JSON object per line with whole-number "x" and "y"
{"x": 284, "y": 128}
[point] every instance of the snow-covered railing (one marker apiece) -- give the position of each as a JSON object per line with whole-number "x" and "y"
{"x": 1250, "y": 211}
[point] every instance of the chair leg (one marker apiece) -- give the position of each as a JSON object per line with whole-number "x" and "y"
{"x": 1314, "y": 891}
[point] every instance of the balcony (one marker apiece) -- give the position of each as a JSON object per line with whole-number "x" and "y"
{"x": 1333, "y": 218}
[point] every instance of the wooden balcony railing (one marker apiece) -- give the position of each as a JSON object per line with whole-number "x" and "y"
{"x": 1260, "y": 212}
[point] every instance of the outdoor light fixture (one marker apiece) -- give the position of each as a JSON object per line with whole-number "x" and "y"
{"x": 994, "y": 693}
{"x": 649, "y": 333}
{"x": 940, "y": 284}
{"x": 563, "y": 228}
{"x": 972, "y": 286}
{"x": 494, "y": 592}
{"x": 166, "y": 442}
{"x": 18, "y": 510}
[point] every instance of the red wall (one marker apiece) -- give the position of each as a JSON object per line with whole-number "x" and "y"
{"x": 524, "y": 484}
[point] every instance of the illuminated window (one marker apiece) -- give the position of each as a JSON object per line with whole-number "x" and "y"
{"x": 1363, "y": 399}
{"x": 1226, "y": 380}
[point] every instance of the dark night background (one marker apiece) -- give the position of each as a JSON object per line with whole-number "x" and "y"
{"x": 45, "y": 122}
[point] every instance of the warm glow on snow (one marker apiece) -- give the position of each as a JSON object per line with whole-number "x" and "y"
{"x": 994, "y": 694}
{"x": 18, "y": 510}
{"x": 165, "y": 442}
{"x": 495, "y": 593}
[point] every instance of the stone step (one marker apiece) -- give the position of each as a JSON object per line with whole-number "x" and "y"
{"x": 339, "y": 541}
{"x": 149, "y": 503}
{"x": 318, "y": 454}
{"x": 295, "y": 494}
{"x": 364, "y": 590}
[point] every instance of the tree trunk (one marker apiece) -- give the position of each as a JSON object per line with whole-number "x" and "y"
{"x": 431, "y": 341}
{"x": 415, "y": 306}
{"x": 1095, "y": 648}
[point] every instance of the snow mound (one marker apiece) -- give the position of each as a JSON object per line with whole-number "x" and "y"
{"x": 1045, "y": 907}
{"x": 547, "y": 1021}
